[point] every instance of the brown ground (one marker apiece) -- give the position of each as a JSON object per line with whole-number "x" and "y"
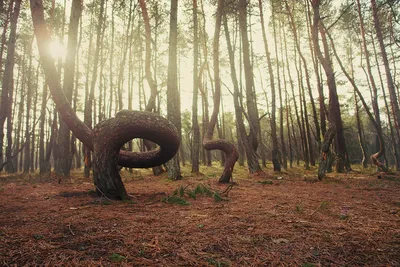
{"x": 351, "y": 220}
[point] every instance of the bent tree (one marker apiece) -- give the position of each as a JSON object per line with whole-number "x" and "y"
{"x": 107, "y": 137}
{"x": 230, "y": 150}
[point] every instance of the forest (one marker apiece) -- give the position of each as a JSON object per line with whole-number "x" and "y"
{"x": 200, "y": 133}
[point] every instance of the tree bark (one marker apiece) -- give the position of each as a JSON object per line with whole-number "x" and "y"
{"x": 173, "y": 98}
{"x": 128, "y": 125}
{"x": 334, "y": 107}
{"x": 195, "y": 160}
{"x": 8, "y": 74}
{"x": 63, "y": 164}
{"x": 208, "y": 142}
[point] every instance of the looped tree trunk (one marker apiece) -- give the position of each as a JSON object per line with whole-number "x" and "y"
{"x": 110, "y": 135}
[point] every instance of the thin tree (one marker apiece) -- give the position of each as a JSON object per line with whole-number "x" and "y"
{"x": 274, "y": 137}
{"x": 173, "y": 97}
{"x": 8, "y": 74}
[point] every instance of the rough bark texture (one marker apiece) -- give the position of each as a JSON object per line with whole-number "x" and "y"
{"x": 274, "y": 137}
{"x": 223, "y": 145}
{"x": 127, "y": 125}
{"x": 196, "y": 129}
{"x": 252, "y": 112}
{"x": 63, "y": 164}
{"x": 391, "y": 88}
{"x": 334, "y": 107}
{"x": 8, "y": 74}
{"x": 173, "y": 97}
{"x": 324, "y": 159}
{"x": 374, "y": 157}
{"x": 151, "y": 103}
{"x": 110, "y": 135}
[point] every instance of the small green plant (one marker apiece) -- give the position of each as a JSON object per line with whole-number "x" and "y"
{"x": 299, "y": 208}
{"x": 142, "y": 253}
{"x": 308, "y": 264}
{"x": 175, "y": 200}
{"x": 217, "y": 197}
{"x": 265, "y": 182}
{"x": 117, "y": 257}
{"x": 38, "y": 236}
{"x": 200, "y": 225}
{"x": 343, "y": 217}
{"x": 324, "y": 205}
{"x": 191, "y": 194}
{"x": 203, "y": 190}
{"x": 217, "y": 263}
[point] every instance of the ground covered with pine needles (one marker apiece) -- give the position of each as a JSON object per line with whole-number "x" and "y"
{"x": 284, "y": 219}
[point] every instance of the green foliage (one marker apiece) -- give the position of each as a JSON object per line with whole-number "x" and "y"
{"x": 217, "y": 263}
{"x": 299, "y": 208}
{"x": 175, "y": 200}
{"x": 324, "y": 205}
{"x": 203, "y": 190}
{"x": 265, "y": 182}
{"x": 116, "y": 257}
{"x": 38, "y": 236}
{"x": 217, "y": 197}
{"x": 308, "y": 264}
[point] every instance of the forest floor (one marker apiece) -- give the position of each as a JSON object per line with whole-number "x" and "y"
{"x": 284, "y": 219}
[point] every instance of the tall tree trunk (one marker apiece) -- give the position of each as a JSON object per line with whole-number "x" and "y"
{"x": 243, "y": 138}
{"x": 307, "y": 76}
{"x": 173, "y": 98}
{"x": 274, "y": 137}
{"x": 63, "y": 165}
{"x": 392, "y": 92}
{"x": 378, "y": 129}
{"x": 151, "y": 104}
{"x": 195, "y": 123}
{"x": 8, "y": 74}
{"x": 335, "y": 116}
{"x": 283, "y": 146}
{"x": 43, "y": 168}
{"x": 220, "y": 144}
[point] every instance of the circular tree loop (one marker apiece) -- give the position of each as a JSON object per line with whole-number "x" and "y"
{"x": 110, "y": 135}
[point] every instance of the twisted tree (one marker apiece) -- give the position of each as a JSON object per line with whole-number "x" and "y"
{"x": 230, "y": 150}
{"x": 110, "y": 135}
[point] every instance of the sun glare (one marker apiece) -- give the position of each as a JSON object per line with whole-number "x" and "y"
{"x": 57, "y": 50}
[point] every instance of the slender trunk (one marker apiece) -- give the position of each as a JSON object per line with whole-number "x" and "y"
{"x": 334, "y": 107}
{"x": 42, "y": 163}
{"x": 390, "y": 84}
{"x": 220, "y": 144}
{"x": 378, "y": 129}
{"x": 283, "y": 146}
{"x": 274, "y": 137}
{"x": 63, "y": 164}
{"x": 173, "y": 98}
{"x": 8, "y": 74}
{"x": 195, "y": 122}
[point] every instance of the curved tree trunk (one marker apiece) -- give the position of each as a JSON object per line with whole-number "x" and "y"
{"x": 209, "y": 144}
{"x": 126, "y": 126}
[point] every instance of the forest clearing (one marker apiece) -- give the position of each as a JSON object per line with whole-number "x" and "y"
{"x": 283, "y": 219}
{"x": 200, "y": 133}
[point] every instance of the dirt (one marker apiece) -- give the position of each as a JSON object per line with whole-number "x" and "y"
{"x": 284, "y": 219}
